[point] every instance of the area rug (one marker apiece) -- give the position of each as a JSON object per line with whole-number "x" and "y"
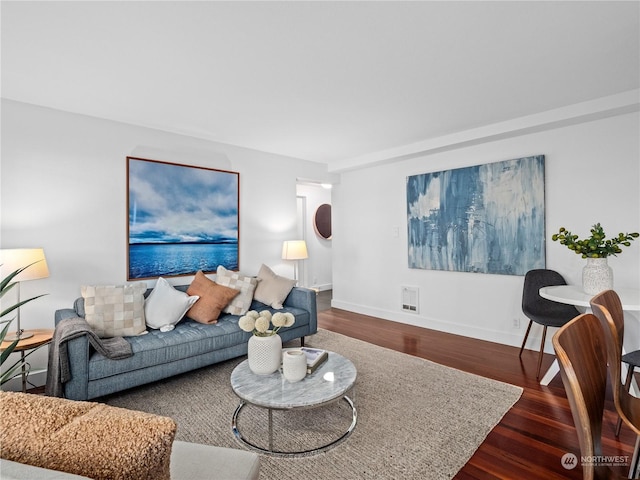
{"x": 416, "y": 419}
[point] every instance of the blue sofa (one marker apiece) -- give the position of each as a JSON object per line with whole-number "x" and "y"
{"x": 158, "y": 355}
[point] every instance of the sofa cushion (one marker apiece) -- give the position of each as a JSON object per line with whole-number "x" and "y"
{"x": 85, "y": 438}
{"x": 196, "y": 461}
{"x": 188, "y": 340}
{"x": 165, "y": 306}
{"x": 245, "y": 284}
{"x": 272, "y": 289}
{"x": 21, "y": 471}
{"x": 115, "y": 310}
{"x": 213, "y": 298}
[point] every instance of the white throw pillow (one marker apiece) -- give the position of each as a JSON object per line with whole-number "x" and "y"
{"x": 272, "y": 289}
{"x": 165, "y": 306}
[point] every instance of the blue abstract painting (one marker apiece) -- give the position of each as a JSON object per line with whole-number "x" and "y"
{"x": 181, "y": 219}
{"x": 484, "y": 219}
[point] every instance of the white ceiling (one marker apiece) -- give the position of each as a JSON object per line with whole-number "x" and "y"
{"x": 324, "y": 81}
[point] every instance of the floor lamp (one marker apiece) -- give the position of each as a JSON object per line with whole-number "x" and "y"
{"x": 294, "y": 250}
{"x": 15, "y": 258}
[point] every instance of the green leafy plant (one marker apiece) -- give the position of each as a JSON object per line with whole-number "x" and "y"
{"x": 597, "y": 245}
{"x": 6, "y": 284}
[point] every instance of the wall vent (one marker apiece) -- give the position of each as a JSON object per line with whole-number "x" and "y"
{"x": 410, "y": 299}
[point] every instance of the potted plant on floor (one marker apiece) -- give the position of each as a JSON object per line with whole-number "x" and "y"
{"x": 14, "y": 370}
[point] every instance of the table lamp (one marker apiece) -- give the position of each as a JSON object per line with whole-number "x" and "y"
{"x": 294, "y": 250}
{"x": 13, "y": 259}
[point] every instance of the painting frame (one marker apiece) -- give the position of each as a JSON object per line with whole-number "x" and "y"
{"x": 181, "y": 219}
{"x": 487, "y": 218}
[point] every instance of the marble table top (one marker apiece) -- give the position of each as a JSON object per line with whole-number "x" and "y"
{"x": 328, "y": 383}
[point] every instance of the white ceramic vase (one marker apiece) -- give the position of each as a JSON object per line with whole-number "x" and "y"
{"x": 264, "y": 354}
{"x": 294, "y": 365}
{"x": 597, "y": 276}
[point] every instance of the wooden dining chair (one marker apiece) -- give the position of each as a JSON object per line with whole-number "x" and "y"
{"x": 608, "y": 308}
{"x": 582, "y": 356}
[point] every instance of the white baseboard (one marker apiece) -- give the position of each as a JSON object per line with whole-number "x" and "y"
{"x": 513, "y": 339}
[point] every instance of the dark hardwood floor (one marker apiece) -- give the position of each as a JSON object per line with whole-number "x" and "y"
{"x": 532, "y": 437}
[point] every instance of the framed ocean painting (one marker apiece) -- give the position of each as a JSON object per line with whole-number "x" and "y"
{"x": 181, "y": 219}
{"x": 485, "y": 219}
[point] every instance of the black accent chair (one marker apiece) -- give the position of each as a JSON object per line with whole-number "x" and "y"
{"x": 542, "y": 311}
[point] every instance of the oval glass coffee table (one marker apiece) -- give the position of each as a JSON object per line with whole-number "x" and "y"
{"x": 329, "y": 383}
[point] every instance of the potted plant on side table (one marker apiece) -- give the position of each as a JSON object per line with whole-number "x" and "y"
{"x": 14, "y": 370}
{"x": 597, "y": 275}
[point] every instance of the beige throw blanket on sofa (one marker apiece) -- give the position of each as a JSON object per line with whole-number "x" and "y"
{"x": 58, "y": 370}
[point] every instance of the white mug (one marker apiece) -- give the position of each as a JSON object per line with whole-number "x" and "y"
{"x": 294, "y": 365}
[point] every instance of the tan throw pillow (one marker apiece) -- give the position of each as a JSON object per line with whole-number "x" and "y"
{"x": 244, "y": 284}
{"x": 272, "y": 289}
{"x": 115, "y": 310}
{"x": 213, "y": 298}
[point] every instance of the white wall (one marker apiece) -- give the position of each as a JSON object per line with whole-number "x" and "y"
{"x": 318, "y": 271}
{"x": 592, "y": 175}
{"x": 63, "y": 188}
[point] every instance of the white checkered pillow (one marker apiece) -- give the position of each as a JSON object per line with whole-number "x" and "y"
{"x": 115, "y": 310}
{"x": 245, "y": 284}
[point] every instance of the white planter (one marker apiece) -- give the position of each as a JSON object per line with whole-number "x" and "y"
{"x": 264, "y": 354}
{"x": 294, "y": 365}
{"x": 597, "y": 276}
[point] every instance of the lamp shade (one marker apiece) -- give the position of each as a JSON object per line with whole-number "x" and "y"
{"x": 294, "y": 250}
{"x": 11, "y": 259}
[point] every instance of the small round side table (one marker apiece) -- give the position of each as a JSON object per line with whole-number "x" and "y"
{"x": 40, "y": 337}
